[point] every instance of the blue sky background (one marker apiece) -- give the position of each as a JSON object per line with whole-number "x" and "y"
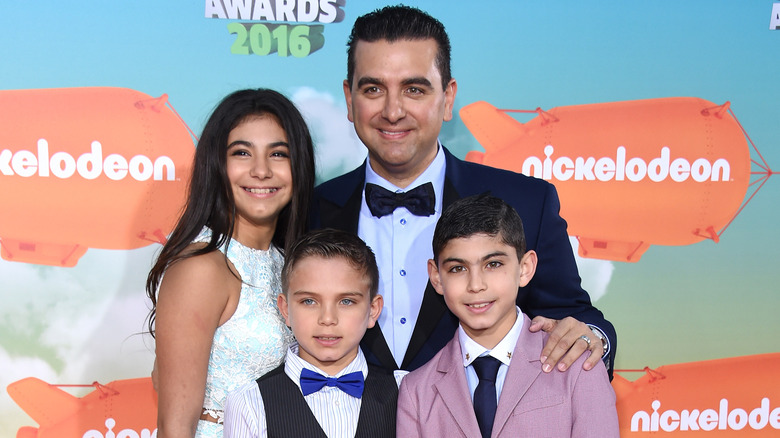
{"x": 678, "y": 304}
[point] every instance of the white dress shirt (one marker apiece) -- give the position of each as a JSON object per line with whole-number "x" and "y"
{"x": 401, "y": 242}
{"x": 471, "y": 350}
{"x": 335, "y": 411}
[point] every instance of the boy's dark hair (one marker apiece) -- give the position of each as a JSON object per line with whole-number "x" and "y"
{"x": 479, "y": 214}
{"x": 330, "y": 244}
{"x": 394, "y": 23}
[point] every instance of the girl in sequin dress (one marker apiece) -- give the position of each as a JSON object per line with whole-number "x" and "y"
{"x": 214, "y": 312}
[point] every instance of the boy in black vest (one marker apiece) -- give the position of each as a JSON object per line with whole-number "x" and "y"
{"x": 325, "y": 387}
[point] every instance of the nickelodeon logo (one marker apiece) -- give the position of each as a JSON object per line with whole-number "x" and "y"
{"x": 110, "y": 164}
{"x": 89, "y": 165}
{"x": 712, "y": 397}
{"x": 667, "y": 171}
{"x": 618, "y": 169}
{"x": 124, "y": 433}
{"x": 706, "y": 420}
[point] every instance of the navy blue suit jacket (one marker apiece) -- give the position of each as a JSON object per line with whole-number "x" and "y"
{"x": 554, "y": 292}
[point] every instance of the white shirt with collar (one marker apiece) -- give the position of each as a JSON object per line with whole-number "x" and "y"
{"x": 471, "y": 350}
{"x": 335, "y": 411}
{"x": 401, "y": 242}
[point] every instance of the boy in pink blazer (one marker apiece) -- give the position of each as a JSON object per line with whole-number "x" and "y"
{"x": 487, "y": 380}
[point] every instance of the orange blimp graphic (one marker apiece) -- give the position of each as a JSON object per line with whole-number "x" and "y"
{"x": 667, "y": 171}
{"x": 123, "y": 408}
{"x": 88, "y": 168}
{"x": 733, "y": 397}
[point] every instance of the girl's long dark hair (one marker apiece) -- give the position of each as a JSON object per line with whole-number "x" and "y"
{"x": 210, "y": 199}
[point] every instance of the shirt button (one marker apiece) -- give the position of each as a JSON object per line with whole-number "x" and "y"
{"x": 403, "y": 320}
{"x": 403, "y": 273}
{"x": 403, "y": 221}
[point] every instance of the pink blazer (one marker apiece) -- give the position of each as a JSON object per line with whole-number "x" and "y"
{"x": 434, "y": 400}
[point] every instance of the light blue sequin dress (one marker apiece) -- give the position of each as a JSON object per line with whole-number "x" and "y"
{"x": 254, "y": 340}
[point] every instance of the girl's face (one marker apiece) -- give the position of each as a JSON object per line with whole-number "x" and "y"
{"x": 258, "y": 168}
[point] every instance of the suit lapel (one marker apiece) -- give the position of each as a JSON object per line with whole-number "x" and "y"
{"x": 431, "y": 311}
{"x": 523, "y": 371}
{"x": 450, "y": 193}
{"x": 343, "y": 217}
{"x": 454, "y": 390}
{"x": 374, "y": 344}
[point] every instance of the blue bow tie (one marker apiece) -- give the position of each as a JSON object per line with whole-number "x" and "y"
{"x": 351, "y": 383}
{"x": 420, "y": 201}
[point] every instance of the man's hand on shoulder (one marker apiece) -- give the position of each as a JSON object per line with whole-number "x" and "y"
{"x": 568, "y": 340}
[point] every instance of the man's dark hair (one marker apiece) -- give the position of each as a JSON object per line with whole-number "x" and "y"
{"x": 330, "y": 244}
{"x": 394, "y": 23}
{"x": 479, "y": 214}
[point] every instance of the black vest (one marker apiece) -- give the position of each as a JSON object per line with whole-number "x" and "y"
{"x": 287, "y": 415}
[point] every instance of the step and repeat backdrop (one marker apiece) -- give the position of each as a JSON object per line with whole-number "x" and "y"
{"x": 658, "y": 122}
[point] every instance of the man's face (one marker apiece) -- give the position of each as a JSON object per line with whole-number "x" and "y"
{"x": 398, "y": 105}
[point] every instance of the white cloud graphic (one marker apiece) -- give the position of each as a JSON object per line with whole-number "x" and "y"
{"x": 337, "y": 147}
{"x": 595, "y": 274}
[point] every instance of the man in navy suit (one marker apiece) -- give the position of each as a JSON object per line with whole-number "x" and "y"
{"x": 399, "y": 90}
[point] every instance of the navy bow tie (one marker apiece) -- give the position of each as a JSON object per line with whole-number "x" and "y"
{"x": 351, "y": 383}
{"x": 420, "y": 201}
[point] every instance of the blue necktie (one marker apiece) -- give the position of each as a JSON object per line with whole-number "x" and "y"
{"x": 351, "y": 383}
{"x": 485, "y": 395}
{"x": 420, "y": 201}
